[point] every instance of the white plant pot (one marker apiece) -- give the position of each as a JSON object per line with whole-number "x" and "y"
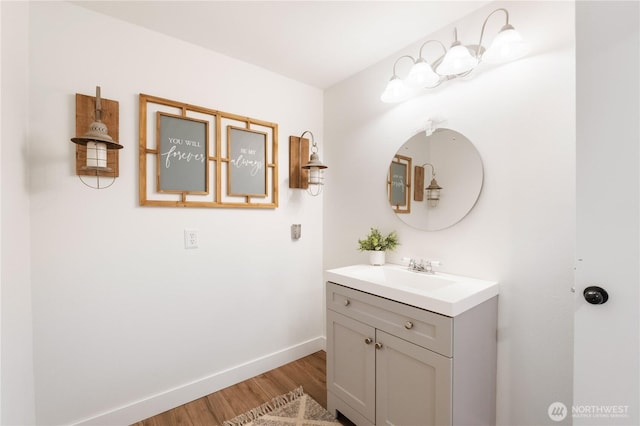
{"x": 376, "y": 258}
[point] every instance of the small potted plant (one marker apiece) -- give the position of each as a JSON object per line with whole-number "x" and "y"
{"x": 377, "y": 244}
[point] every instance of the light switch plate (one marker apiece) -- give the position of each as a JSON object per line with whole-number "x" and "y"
{"x": 296, "y": 231}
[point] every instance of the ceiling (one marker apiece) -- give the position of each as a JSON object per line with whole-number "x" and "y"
{"x": 319, "y": 43}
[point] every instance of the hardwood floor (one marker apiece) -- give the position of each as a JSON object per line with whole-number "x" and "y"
{"x": 308, "y": 372}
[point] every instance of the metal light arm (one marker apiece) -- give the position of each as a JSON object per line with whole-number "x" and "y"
{"x": 433, "y": 170}
{"x": 431, "y": 41}
{"x": 395, "y": 75}
{"x": 314, "y": 145}
{"x": 506, "y": 26}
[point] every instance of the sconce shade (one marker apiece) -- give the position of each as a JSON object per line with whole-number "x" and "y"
{"x": 422, "y": 75}
{"x": 458, "y": 60}
{"x": 395, "y": 91}
{"x": 433, "y": 193}
{"x": 314, "y": 163}
{"x": 507, "y": 46}
{"x": 97, "y": 133}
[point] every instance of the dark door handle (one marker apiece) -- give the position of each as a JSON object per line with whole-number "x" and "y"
{"x": 595, "y": 295}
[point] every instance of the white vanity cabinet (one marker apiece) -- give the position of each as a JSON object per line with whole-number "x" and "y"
{"x": 395, "y": 364}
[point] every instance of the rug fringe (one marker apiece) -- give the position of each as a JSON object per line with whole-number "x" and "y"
{"x": 265, "y": 408}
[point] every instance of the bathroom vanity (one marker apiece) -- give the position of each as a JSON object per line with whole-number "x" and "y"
{"x": 406, "y": 348}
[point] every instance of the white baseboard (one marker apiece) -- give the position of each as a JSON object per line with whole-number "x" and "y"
{"x": 164, "y": 401}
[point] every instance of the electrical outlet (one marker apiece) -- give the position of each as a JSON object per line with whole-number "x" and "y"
{"x": 190, "y": 238}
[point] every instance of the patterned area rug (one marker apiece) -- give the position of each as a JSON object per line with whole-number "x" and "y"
{"x": 294, "y": 408}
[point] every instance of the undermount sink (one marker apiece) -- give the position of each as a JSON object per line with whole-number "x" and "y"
{"x": 445, "y": 294}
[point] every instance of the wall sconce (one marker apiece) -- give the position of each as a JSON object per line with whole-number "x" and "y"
{"x": 309, "y": 176}
{"x": 456, "y": 62}
{"x": 96, "y": 151}
{"x": 433, "y": 190}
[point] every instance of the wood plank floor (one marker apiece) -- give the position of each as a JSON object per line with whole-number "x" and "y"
{"x": 308, "y": 372}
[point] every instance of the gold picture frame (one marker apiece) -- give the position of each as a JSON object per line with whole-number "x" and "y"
{"x": 217, "y": 157}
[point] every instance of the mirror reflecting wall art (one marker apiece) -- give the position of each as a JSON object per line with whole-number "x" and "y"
{"x": 399, "y": 184}
{"x": 447, "y": 179}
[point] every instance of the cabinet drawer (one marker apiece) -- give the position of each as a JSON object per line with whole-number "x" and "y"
{"x": 424, "y": 328}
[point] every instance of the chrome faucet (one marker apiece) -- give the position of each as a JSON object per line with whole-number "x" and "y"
{"x": 425, "y": 266}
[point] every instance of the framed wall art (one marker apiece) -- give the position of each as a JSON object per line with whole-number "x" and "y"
{"x": 182, "y": 161}
{"x": 247, "y": 174}
{"x": 191, "y": 156}
{"x": 399, "y": 184}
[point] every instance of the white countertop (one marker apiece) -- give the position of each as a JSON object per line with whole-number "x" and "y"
{"x": 445, "y": 294}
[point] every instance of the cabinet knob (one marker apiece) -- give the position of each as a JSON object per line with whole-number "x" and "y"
{"x": 347, "y": 302}
{"x": 408, "y": 325}
{"x": 368, "y": 340}
{"x": 378, "y": 345}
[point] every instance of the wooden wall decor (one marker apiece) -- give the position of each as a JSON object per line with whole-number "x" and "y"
{"x": 418, "y": 183}
{"x": 298, "y": 156}
{"x": 236, "y": 155}
{"x": 85, "y": 115}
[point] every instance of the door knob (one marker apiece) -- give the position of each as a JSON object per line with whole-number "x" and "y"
{"x": 595, "y": 295}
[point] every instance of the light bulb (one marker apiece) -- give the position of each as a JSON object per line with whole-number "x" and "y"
{"x": 96, "y": 154}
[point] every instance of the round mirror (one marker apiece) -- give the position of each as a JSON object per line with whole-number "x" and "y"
{"x": 434, "y": 181}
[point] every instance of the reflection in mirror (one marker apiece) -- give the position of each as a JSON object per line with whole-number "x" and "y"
{"x": 399, "y": 184}
{"x": 447, "y": 179}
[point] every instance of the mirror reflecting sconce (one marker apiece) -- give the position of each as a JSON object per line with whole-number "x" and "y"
{"x": 433, "y": 190}
{"x": 309, "y": 176}
{"x": 95, "y": 146}
{"x": 456, "y": 62}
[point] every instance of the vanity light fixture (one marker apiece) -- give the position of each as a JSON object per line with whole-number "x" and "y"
{"x": 96, "y": 142}
{"x": 456, "y": 62}
{"x": 433, "y": 190}
{"x": 309, "y": 176}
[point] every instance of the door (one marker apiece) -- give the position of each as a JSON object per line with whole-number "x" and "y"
{"x": 413, "y": 384}
{"x": 607, "y": 335}
{"x": 351, "y": 363}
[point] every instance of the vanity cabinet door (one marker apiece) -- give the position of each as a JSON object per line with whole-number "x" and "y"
{"x": 413, "y": 384}
{"x": 351, "y": 358}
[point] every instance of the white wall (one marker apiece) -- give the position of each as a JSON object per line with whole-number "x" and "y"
{"x": 122, "y": 313}
{"x": 521, "y": 117}
{"x": 16, "y": 388}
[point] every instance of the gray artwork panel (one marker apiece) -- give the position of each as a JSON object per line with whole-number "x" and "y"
{"x": 183, "y": 155}
{"x": 398, "y": 177}
{"x": 247, "y": 163}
